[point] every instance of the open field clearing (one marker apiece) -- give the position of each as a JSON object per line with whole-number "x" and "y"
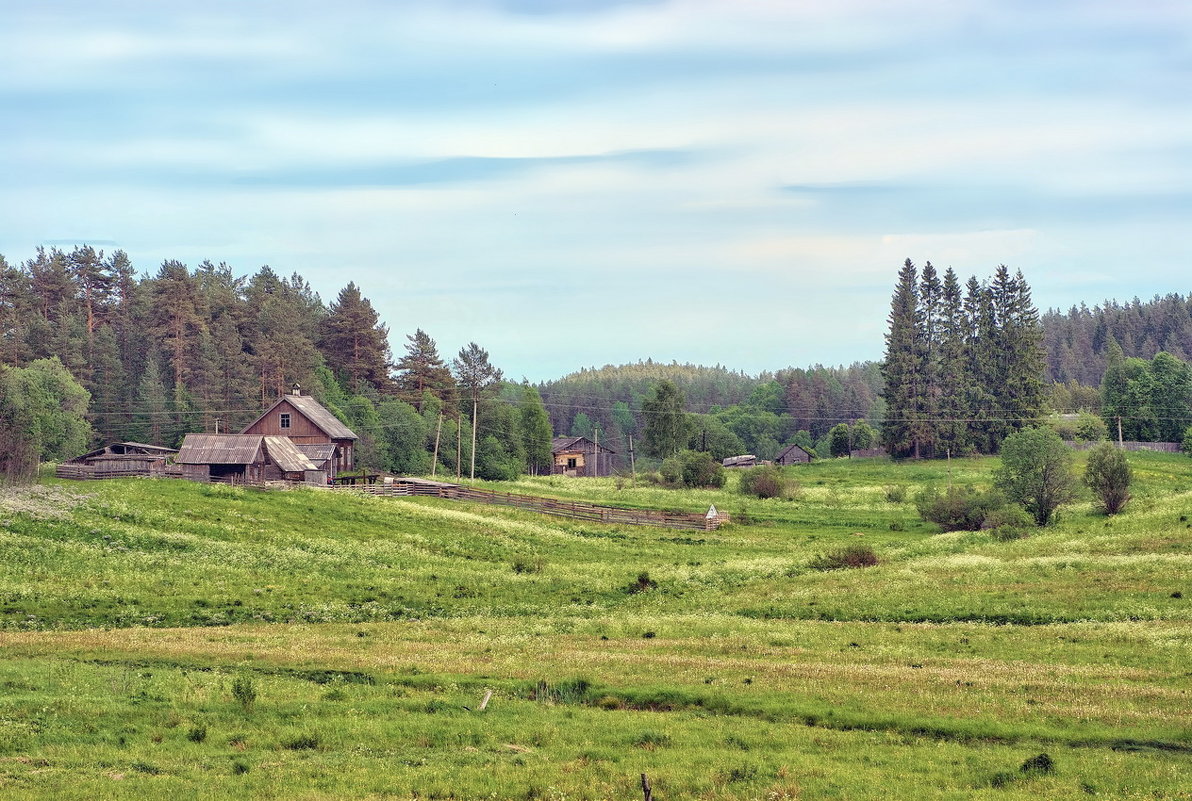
{"x": 166, "y": 639}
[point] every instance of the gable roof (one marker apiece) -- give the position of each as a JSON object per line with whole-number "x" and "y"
{"x": 314, "y": 411}
{"x": 788, "y": 448}
{"x": 559, "y": 444}
{"x": 219, "y": 449}
{"x": 286, "y": 455}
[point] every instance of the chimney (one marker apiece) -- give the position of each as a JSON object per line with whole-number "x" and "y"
{"x": 297, "y": 389}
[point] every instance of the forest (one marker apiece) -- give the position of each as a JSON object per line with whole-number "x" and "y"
{"x": 202, "y": 348}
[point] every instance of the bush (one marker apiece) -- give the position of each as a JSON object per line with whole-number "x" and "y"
{"x": 850, "y": 557}
{"x": 958, "y": 508}
{"x": 1008, "y": 522}
{"x": 693, "y": 469}
{"x": 1186, "y": 445}
{"x": 1108, "y": 475}
{"x": 764, "y": 482}
{"x": 896, "y": 493}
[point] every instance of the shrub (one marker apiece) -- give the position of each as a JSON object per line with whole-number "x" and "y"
{"x": 763, "y": 482}
{"x": 643, "y": 583}
{"x": 1008, "y": 522}
{"x": 245, "y": 692}
{"x": 957, "y": 508}
{"x": 896, "y": 493}
{"x": 197, "y": 734}
{"x": 693, "y": 469}
{"x": 850, "y": 557}
{"x": 1186, "y": 445}
{"x": 1108, "y": 475}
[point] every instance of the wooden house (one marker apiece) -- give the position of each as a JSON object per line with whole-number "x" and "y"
{"x": 580, "y": 456}
{"x": 792, "y": 454}
{"x": 304, "y": 421}
{"x": 245, "y": 459}
{"x": 118, "y": 460}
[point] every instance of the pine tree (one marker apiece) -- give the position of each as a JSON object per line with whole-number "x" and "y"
{"x": 421, "y": 370}
{"x": 355, "y": 343}
{"x": 476, "y": 378}
{"x": 15, "y": 309}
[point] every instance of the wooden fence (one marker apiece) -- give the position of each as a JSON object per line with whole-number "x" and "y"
{"x": 576, "y": 510}
{"x": 1161, "y": 447}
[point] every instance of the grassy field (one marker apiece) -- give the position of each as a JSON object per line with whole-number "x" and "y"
{"x": 168, "y": 639}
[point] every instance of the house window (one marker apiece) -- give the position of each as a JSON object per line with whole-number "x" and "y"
{"x": 285, "y": 421}
{"x": 571, "y": 463}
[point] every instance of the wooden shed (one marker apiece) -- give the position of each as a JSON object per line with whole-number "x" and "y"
{"x": 245, "y": 459}
{"x": 792, "y": 454}
{"x": 580, "y": 456}
{"x": 304, "y": 421}
{"x": 118, "y": 460}
{"x": 745, "y": 460}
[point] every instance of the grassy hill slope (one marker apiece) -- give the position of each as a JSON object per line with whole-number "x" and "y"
{"x": 369, "y": 629}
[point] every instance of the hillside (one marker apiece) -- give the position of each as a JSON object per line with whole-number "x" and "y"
{"x": 139, "y": 614}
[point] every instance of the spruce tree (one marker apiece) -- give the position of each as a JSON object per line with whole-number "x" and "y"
{"x": 535, "y": 431}
{"x": 902, "y": 367}
{"x": 953, "y": 376}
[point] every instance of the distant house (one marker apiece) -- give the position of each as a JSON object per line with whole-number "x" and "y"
{"x": 245, "y": 459}
{"x": 580, "y": 456}
{"x": 792, "y": 454}
{"x": 747, "y": 460}
{"x": 118, "y": 460}
{"x": 304, "y": 421}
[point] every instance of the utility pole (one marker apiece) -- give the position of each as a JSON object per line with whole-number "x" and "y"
{"x": 596, "y": 454}
{"x": 1120, "y": 444}
{"x": 434, "y": 465}
{"x": 632, "y": 466}
{"x": 474, "y": 403}
{"x": 459, "y": 442}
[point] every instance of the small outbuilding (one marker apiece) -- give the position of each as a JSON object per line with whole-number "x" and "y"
{"x": 792, "y": 454}
{"x": 580, "y": 456}
{"x": 245, "y": 459}
{"x": 118, "y": 460}
{"x": 745, "y": 460}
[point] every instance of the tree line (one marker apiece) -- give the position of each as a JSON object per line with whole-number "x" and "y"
{"x": 202, "y": 349}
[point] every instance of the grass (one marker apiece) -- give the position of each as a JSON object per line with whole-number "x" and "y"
{"x": 139, "y": 617}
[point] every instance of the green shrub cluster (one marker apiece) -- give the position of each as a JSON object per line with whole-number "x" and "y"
{"x": 845, "y": 558}
{"x": 958, "y": 508}
{"x": 693, "y": 469}
{"x": 767, "y": 482}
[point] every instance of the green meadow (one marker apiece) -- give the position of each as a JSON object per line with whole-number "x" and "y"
{"x": 168, "y": 639}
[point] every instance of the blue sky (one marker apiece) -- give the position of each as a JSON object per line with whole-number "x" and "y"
{"x": 578, "y": 182}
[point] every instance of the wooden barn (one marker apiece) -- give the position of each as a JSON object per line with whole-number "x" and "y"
{"x": 304, "y": 421}
{"x": 245, "y": 459}
{"x": 580, "y": 456}
{"x": 118, "y": 460}
{"x": 792, "y": 454}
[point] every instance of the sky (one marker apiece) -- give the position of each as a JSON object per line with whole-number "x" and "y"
{"x": 575, "y": 183}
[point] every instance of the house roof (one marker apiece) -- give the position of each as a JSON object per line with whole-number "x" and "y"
{"x": 286, "y": 455}
{"x": 314, "y": 411}
{"x": 788, "y": 448}
{"x": 560, "y": 444}
{"x": 126, "y": 449}
{"x": 317, "y": 452}
{"x": 219, "y": 449}
{"x": 733, "y": 461}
